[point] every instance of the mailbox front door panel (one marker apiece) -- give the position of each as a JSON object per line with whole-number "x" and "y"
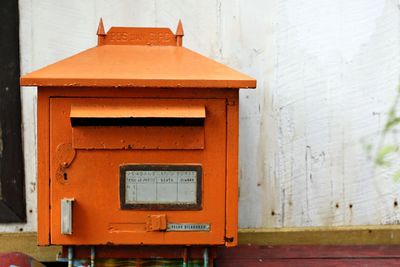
{"x": 137, "y": 171}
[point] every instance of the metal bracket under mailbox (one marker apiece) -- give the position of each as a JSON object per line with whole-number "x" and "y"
{"x": 66, "y": 216}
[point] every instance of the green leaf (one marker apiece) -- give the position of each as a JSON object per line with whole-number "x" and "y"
{"x": 383, "y": 152}
{"x": 396, "y": 176}
{"x": 391, "y": 123}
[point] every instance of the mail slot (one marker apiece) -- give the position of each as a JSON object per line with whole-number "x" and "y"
{"x": 138, "y": 144}
{"x": 137, "y": 124}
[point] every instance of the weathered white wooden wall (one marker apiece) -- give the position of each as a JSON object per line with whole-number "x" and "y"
{"x": 327, "y": 73}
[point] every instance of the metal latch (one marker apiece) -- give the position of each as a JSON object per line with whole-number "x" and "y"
{"x": 157, "y": 222}
{"x": 66, "y": 216}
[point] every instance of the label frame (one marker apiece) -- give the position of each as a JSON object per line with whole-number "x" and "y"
{"x": 160, "y": 206}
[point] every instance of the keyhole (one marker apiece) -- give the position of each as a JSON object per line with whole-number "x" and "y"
{"x": 65, "y": 176}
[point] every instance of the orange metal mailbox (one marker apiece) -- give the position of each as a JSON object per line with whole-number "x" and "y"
{"x": 137, "y": 144}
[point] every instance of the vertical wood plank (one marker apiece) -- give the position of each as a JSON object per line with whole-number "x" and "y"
{"x": 12, "y": 187}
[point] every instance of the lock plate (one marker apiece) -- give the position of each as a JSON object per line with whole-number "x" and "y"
{"x": 160, "y": 187}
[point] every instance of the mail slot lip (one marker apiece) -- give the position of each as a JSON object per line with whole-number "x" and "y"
{"x": 161, "y": 167}
{"x": 141, "y": 110}
{"x": 137, "y": 115}
{"x": 144, "y": 114}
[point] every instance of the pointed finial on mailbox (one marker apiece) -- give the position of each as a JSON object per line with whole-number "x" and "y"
{"x": 179, "y": 34}
{"x": 101, "y": 35}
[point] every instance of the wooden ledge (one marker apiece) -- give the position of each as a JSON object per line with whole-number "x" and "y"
{"x": 354, "y": 235}
{"x": 26, "y": 243}
{"x": 349, "y": 235}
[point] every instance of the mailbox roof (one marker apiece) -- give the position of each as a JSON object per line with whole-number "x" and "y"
{"x": 138, "y": 66}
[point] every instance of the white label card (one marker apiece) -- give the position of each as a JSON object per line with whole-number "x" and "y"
{"x": 160, "y": 187}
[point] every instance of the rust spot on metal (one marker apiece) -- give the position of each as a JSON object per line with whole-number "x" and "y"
{"x": 229, "y": 239}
